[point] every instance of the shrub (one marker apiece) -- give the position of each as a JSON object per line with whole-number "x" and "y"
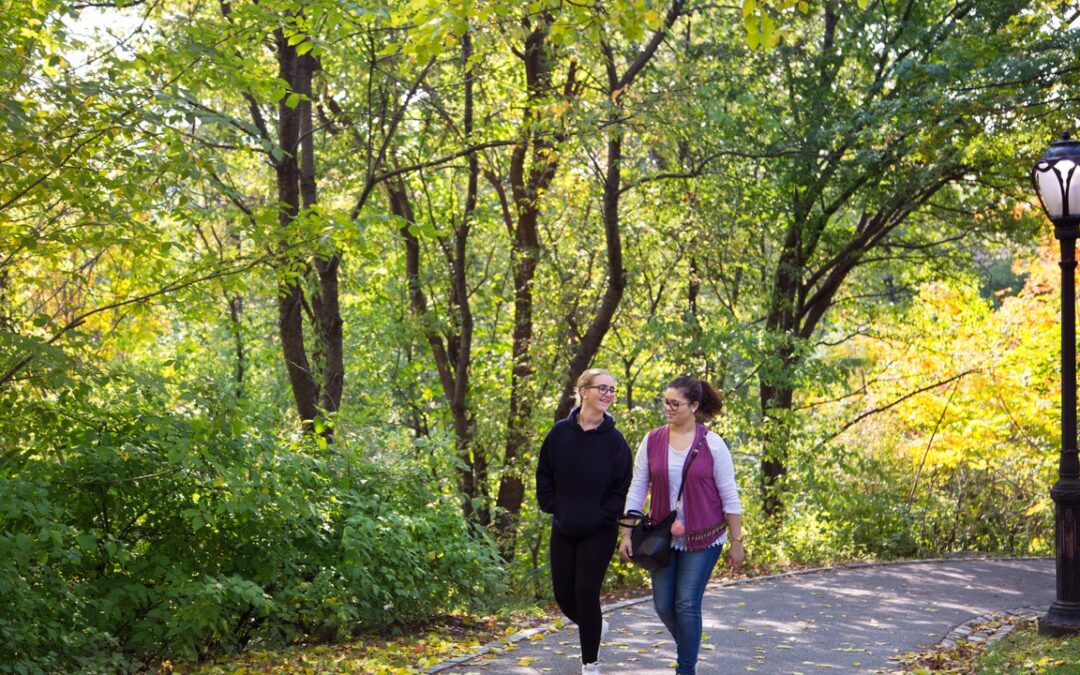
{"x": 135, "y": 535}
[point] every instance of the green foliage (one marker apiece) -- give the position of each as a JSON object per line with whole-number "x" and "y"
{"x": 158, "y": 500}
{"x": 428, "y": 558}
{"x": 176, "y": 531}
{"x": 46, "y": 624}
{"x": 1026, "y": 651}
{"x": 952, "y": 440}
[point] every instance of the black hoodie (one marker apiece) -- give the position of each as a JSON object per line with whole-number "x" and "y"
{"x": 582, "y": 476}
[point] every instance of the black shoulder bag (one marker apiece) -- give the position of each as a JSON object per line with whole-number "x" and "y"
{"x": 650, "y": 540}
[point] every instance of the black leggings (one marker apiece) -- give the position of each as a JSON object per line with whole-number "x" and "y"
{"x": 578, "y": 566}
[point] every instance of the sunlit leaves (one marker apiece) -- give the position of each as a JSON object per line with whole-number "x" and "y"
{"x": 968, "y": 398}
{"x": 760, "y": 20}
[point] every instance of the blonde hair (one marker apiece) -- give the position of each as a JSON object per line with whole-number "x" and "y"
{"x": 586, "y": 379}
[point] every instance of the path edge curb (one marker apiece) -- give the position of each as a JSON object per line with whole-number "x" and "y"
{"x": 966, "y": 630}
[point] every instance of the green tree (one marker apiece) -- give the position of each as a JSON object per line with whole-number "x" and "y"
{"x": 885, "y": 134}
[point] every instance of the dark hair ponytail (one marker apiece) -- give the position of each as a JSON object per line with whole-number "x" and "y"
{"x": 701, "y": 392}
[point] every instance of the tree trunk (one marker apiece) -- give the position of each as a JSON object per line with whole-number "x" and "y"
{"x": 330, "y": 335}
{"x": 453, "y": 355}
{"x": 526, "y": 188}
{"x": 317, "y": 388}
{"x": 775, "y": 402}
{"x": 590, "y": 343}
{"x": 236, "y": 309}
{"x": 325, "y": 302}
{"x": 801, "y": 298}
{"x": 6, "y": 323}
{"x": 290, "y": 291}
{"x": 459, "y": 299}
{"x": 511, "y": 489}
{"x": 617, "y": 86}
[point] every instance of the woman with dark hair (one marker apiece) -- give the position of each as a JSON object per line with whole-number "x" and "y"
{"x": 581, "y": 480}
{"x": 684, "y": 451}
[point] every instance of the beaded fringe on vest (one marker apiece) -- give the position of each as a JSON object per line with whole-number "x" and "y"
{"x": 702, "y": 538}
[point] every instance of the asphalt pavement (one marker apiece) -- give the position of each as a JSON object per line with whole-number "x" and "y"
{"x": 855, "y": 619}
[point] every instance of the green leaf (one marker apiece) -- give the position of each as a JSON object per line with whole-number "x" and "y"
{"x": 753, "y": 34}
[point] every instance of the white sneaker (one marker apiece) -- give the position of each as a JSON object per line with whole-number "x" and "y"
{"x": 604, "y": 628}
{"x": 590, "y": 668}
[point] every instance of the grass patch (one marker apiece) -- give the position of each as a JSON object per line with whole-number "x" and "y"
{"x": 1021, "y": 652}
{"x": 1024, "y": 651}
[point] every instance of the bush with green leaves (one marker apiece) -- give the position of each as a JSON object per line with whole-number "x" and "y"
{"x": 46, "y": 625}
{"x": 134, "y": 533}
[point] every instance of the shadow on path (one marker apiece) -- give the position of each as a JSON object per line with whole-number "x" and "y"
{"x": 839, "y": 620}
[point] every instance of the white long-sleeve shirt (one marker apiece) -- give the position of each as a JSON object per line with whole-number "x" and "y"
{"x": 723, "y": 476}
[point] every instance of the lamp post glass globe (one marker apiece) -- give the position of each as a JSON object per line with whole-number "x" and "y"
{"x": 1056, "y": 179}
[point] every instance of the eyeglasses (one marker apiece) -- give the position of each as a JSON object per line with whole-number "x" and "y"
{"x": 603, "y": 389}
{"x": 674, "y": 405}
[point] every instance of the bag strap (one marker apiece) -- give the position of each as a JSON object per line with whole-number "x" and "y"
{"x": 631, "y": 518}
{"x": 686, "y": 469}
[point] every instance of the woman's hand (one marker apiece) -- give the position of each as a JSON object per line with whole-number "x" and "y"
{"x": 735, "y": 555}
{"x": 626, "y": 549}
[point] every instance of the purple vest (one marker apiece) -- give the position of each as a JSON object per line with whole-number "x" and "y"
{"x": 703, "y": 508}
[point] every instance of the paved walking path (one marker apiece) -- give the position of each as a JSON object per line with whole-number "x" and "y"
{"x": 841, "y": 620}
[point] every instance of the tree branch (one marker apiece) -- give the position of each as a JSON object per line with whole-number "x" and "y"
{"x": 170, "y": 288}
{"x": 370, "y": 184}
{"x": 654, "y": 42}
{"x": 440, "y": 160}
{"x": 900, "y": 400}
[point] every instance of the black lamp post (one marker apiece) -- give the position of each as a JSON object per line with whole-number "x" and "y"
{"x": 1056, "y": 177}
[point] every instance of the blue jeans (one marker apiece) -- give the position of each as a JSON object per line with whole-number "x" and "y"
{"x": 677, "y": 592}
